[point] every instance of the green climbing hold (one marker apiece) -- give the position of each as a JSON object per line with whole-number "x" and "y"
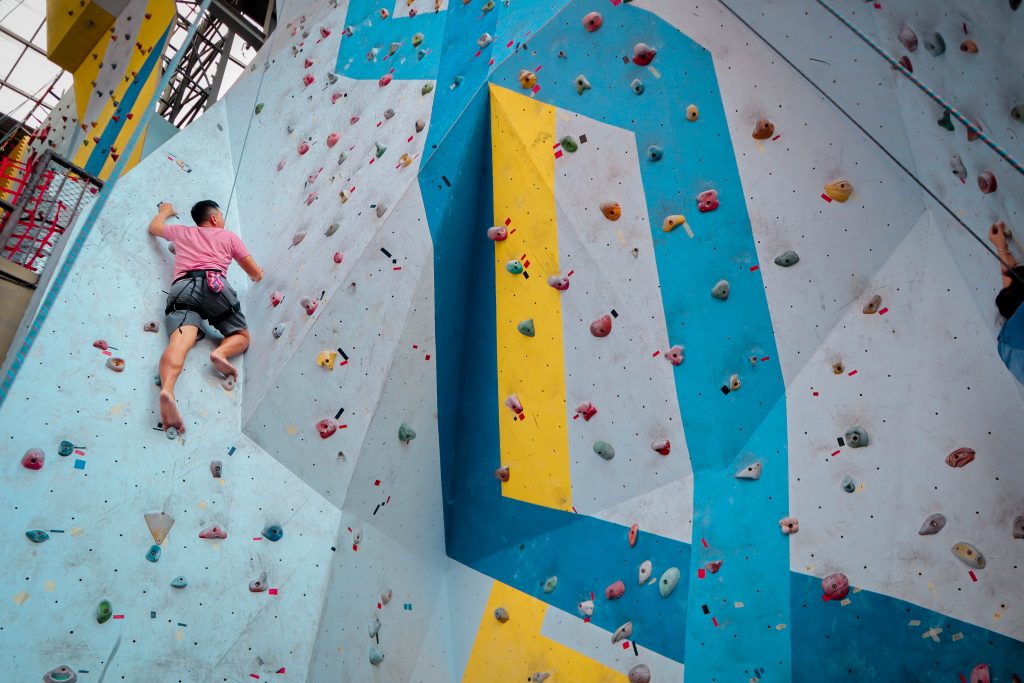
{"x": 526, "y": 328}
{"x": 179, "y": 582}
{"x": 421, "y": 53}
{"x": 604, "y": 449}
{"x": 405, "y": 433}
{"x": 569, "y": 144}
{"x": 153, "y": 555}
{"x": 787, "y": 258}
{"x": 550, "y": 583}
{"x": 66, "y": 448}
{"x": 37, "y": 535}
{"x": 259, "y": 107}
{"x": 104, "y": 611}
{"x": 514, "y": 266}
{"x": 427, "y": 88}
{"x": 379, "y": 149}
{"x": 946, "y": 121}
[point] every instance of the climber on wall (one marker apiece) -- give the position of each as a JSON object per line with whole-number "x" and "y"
{"x": 200, "y": 291}
{"x": 1008, "y": 301}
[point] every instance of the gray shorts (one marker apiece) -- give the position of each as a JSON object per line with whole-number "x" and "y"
{"x": 220, "y": 309}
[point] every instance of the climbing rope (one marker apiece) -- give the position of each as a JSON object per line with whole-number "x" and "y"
{"x": 90, "y": 220}
{"x": 1006, "y": 265}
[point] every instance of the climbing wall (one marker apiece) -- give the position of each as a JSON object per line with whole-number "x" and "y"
{"x": 564, "y": 367}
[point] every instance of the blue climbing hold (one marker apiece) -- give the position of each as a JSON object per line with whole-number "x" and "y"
{"x": 654, "y": 153}
{"x": 37, "y": 535}
{"x": 179, "y": 582}
{"x": 273, "y": 532}
{"x": 154, "y": 553}
{"x": 66, "y": 448}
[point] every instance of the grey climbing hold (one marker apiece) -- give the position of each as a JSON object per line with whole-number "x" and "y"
{"x": 420, "y": 125}
{"x": 1017, "y": 113}
{"x": 969, "y": 555}
{"x": 65, "y": 448}
{"x": 151, "y": 326}
{"x": 104, "y": 611}
{"x": 376, "y": 656}
{"x": 159, "y": 524}
{"x": 721, "y": 290}
{"x": 386, "y": 595}
{"x": 501, "y": 614}
{"x": 752, "y": 471}
{"x": 389, "y": 112}
{"x": 550, "y": 583}
{"x": 638, "y": 86}
{"x": 640, "y": 673}
{"x": 171, "y": 433}
{"x": 273, "y": 532}
{"x": 382, "y": 209}
{"x": 668, "y": 581}
{"x": 216, "y": 468}
{"x": 62, "y": 674}
{"x": 539, "y": 677}
{"x": 37, "y": 535}
{"x": 604, "y": 449}
{"x": 849, "y": 485}
{"x": 259, "y": 584}
{"x": 934, "y": 43}
{"x": 787, "y": 258}
{"x": 178, "y": 582}
{"x": 569, "y": 144}
{"x": 856, "y": 437}
{"x": 654, "y": 153}
{"x": 279, "y": 330}
{"x": 526, "y": 328}
{"x": 228, "y": 383}
{"x": 645, "y": 572}
{"x": 406, "y": 433}
{"x": 933, "y": 524}
{"x": 484, "y": 40}
{"x": 332, "y": 228}
{"x": 872, "y": 306}
{"x": 956, "y": 165}
{"x": 582, "y": 84}
{"x": 153, "y": 554}
{"x": 623, "y": 632}
{"x": 373, "y": 628}
{"x": 1018, "y": 526}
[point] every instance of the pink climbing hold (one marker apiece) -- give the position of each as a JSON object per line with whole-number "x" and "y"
{"x": 601, "y": 327}
{"x": 33, "y": 459}
{"x": 615, "y": 591}
{"x": 309, "y": 304}
{"x": 960, "y": 457}
{"x": 335, "y": 97}
{"x": 643, "y": 54}
{"x": 100, "y": 344}
{"x": 908, "y": 38}
{"x": 280, "y": 165}
{"x": 674, "y": 355}
{"x": 707, "y": 201}
{"x": 338, "y": 257}
{"x": 276, "y": 298}
{"x": 502, "y": 473}
{"x": 592, "y": 21}
{"x": 586, "y": 410}
{"x": 213, "y": 532}
{"x": 326, "y": 427}
{"x": 324, "y": 31}
{"x": 497, "y": 233}
{"x": 836, "y": 586}
{"x": 661, "y": 446}
{"x": 384, "y": 14}
{"x": 789, "y": 525}
{"x": 513, "y": 403}
{"x": 986, "y": 182}
{"x": 308, "y": 80}
{"x": 558, "y": 282}
{"x": 353, "y": 120}
{"x": 332, "y": 139}
{"x": 303, "y": 147}
{"x": 384, "y": 80}
{"x": 980, "y": 674}
{"x": 308, "y": 63}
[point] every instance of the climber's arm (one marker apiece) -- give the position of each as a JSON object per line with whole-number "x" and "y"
{"x": 156, "y": 226}
{"x": 254, "y": 272}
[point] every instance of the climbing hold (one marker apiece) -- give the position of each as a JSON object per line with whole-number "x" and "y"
{"x": 502, "y": 473}
{"x": 592, "y": 21}
{"x": 707, "y": 201}
{"x": 484, "y": 40}
{"x": 839, "y": 190}
{"x": 611, "y": 210}
{"x": 338, "y": 257}
{"x": 382, "y": 208}
{"x": 908, "y": 38}
{"x": 389, "y": 113}
{"x": 787, "y": 258}
{"x": 638, "y": 86}
{"x": 750, "y": 472}
{"x": 587, "y": 410}
{"x": 981, "y": 674}
{"x": 734, "y": 382}
{"x": 856, "y": 437}
{"x": 872, "y": 306}
{"x": 763, "y": 129}
{"x": 228, "y": 382}
{"x": 969, "y": 555}
{"x": 153, "y": 554}
{"x": 487, "y": 6}
{"x": 550, "y": 583}
{"x": 115, "y": 364}
{"x": 151, "y": 326}
{"x": 427, "y": 88}
{"x": 373, "y": 628}
{"x": 675, "y": 355}
{"x": 969, "y": 47}
{"x": 309, "y": 304}
{"x": 838, "y": 368}
{"x": 639, "y": 674}
{"x": 514, "y": 404}
{"x": 405, "y": 433}
{"x": 276, "y": 297}
{"x": 279, "y": 330}
{"x": 643, "y": 54}
{"x": 713, "y": 566}
{"x": 420, "y": 125}
{"x": 171, "y": 433}
{"x": 417, "y": 38}
{"x": 273, "y": 532}
{"x": 623, "y": 632}
{"x": 497, "y": 233}
{"x": 586, "y": 608}
{"x": 62, "y": 674}
{"x": 932, "y": 524}
{"x": 935, "y": 44}
{"x": 836, "y": 586}
{"x": 515, "y": 266}
{"x": 692, "y": 113}
{"x": 654, "y": 153}
{"x": 258, "y": 585}
{"x": 645, "y": 572}
{"x": 721, "y": 290}
{"x": 661, "y": 446}
{"x": 960, "y": 457}
{"x": 379, "y": 149}
{"x": 601, "y": 327}
{"x": 501, "y": 614}
{"x": 527, "y": 79}
{"x": 326, "y": 358}
{"x": 526, "y": 328}
{"x": 539, "y": 677}
{"x": 37, "y": 535}
{"x": 216, "y": 469}
{"x": 668, "y": 581}
{"x": 332, "y": 139}
{"x": 986, "y": 182}
{"x": 582, "y": 84}
{"x": 104, "y": 611}
{"x": 558, "y": 282}
{"x": 159, "y": 524}
{"x": 1018, "y": 526}
{"x": 615, "y": 591}
{"x": 672, "y": 222}
{"x": 789, "y": 525}
{"x": 569, "y": 144}
{"x": 65, "y": 448}
{"x": 906, "y": 63}
{"x": 604, "y": 449}
{"x": 100, "y": 344}
{"x": 956, "y": 165}
{"x": 33, "y": 459}
{"x": 946, "y": 121}
{"x": 634, "y": 531}
{"x": 1017, "y": 113}
{"x": 849, "y": 485}
{"x": 213, "y": 532}
{"x": 298, "y": 237}
{"x": 303, "y": 147}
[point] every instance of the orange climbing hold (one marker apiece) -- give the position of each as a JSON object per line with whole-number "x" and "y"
{"x": 634, "y": 531}
{"x": 763, "y": 129}
{"x": 969, "y": 47}
{"x": 611, "y": 210}
{"x": 527, "y": 79}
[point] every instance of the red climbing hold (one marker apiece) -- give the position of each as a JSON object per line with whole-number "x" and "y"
{"x": 601, "y": 327}
{"x": 980, "y": 674}
{"x": 308, "y": 80}
{"x": 905, "y": 63}
{"x": 332, "y": 139}
{"x": 497, "y": 233}
{"x": 615, "y": 591}
{"x": 586, "y": 410}
{"x": 326, "y": 427}
{"x": 662, "y": 446}
{"x": 33, "y": 459}
{"x": 309, "y": 304}
{"x": 634, "y": 531}
{"x": 908, "y": 38}
{"x": 502, "y": 473}
{"x": 276, "y": 297}
{"x": 643, "y": 54}
{"x": 707, "y": 201}
{"x": 558, "y": 282}
{"x": 338, "y": 257}
{"x": 100, "y": 344}
{"x": 987, "y": 183}
{"x": 303, "y": 148}
{"x": 836, "y": 586}
{"x": 324, "y": 31}
{"x": 384, "y": 80}
{"x": 308, "y": 63}
{"x": 592, "y": 21}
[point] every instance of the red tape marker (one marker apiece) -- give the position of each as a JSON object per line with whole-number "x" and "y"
{"x": 272, "y": 591}
{"x": 625, "y": 645}
{"x": 973, "y": 577}
{"x": 814, "y": 393}
{"x": 714, "y": 621}
{"x": 851, "y": 373}
{"x": 701, "y": 573}
{"x": 826, "y": 197}
{"x": 704, "y": 542}
{"x": 753, "y": 268}
{"x": 883, "y": 311}
{"x": 835, "y": 453}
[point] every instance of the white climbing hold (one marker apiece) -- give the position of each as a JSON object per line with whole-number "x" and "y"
{"x": 644, "y": 574}
{"x": 750, "y": 472}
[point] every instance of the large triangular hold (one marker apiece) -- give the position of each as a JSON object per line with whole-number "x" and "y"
{"x": 159, "y": 524}
{"x": 750, "y": 472}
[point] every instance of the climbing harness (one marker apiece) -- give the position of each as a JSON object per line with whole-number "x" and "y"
{"x": 200, "y": 278}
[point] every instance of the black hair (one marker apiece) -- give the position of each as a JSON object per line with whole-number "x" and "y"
{"x": 1011, "y": 296}
{"x": 202, "y": 211}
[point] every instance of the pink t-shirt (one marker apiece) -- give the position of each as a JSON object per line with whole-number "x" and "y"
{"x": 197, "y": 248}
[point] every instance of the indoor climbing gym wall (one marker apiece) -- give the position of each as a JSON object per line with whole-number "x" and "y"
{"x": 598, "y": 341}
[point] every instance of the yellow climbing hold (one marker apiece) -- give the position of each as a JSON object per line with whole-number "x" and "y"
{"x": 672, "y": 222}
{"x": 527, "y": 79}
{"x": 325, "y": 359}
{"x": 692, "y": 113}
{"x": 839, "y": 190}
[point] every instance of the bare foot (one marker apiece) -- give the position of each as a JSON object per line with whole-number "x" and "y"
{"x": 223, "y": 365}
{"x": 169, "y": 415}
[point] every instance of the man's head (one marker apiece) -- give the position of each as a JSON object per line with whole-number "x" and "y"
{"x": 207, "y": 214}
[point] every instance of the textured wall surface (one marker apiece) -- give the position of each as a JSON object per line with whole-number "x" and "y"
{"x": 362, "y": 158}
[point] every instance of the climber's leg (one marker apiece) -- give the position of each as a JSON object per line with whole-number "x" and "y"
{"x": 180, "y": 342}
